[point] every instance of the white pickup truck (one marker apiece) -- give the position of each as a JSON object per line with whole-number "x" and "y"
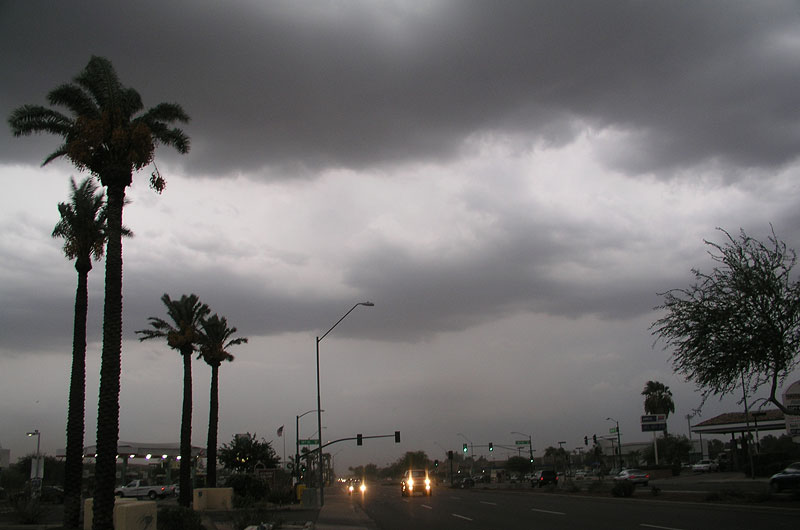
{"x": 141, "y": 488}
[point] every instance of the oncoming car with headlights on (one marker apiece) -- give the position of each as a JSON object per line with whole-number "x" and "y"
{"x": 416, "y": 481}
{"x": 356, "y": 485}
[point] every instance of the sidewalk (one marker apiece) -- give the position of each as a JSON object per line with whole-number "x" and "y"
{"x": 341, "y": 513}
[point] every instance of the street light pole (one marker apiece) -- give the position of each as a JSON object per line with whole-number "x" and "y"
{"x": 297, "y": 443}
{"x": 619, "y": 441}
{"x": 530, "y": 446}
{"x": 319, "y": 403}
{"x": 38, "y": 483}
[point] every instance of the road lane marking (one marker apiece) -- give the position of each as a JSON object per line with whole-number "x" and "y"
{"x": 489, "y": 503}
{"x": 659, "y": 527}
{"x": 428, "y": 507}
{"x": 547, "y": 511}
{"x": 461, "y": 517}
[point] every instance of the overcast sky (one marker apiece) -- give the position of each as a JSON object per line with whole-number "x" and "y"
{"x": 511, "y": 183}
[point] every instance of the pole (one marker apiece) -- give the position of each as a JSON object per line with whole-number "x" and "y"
{"x": 319, "y": 427}
{"x": 319, "y": 402}
{"x": 747, "y": 420}
{"x": 297, "y": 448}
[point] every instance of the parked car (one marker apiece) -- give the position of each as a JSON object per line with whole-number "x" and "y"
{"x": 415, "y": 481}
{"x": 788, "y": 479}
{"x": 705, "y": 466}
{"x": 635, "y": 476}
{"x": 544, "y": 477}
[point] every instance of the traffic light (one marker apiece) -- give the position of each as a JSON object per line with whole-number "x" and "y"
{"x": 435, "y": 463}
{"x": 359, "y": 439}
{"x": 585, "y": 440}
{"x": 464, "y": 448}
{"x": 594, "y": 438}
{"x": 397, "y": 437}
{"x": 491, "y": 448}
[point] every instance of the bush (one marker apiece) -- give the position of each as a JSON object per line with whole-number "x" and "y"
{"x": 178, "y": 518}
{"x": 28, "y": 509}
{"x": 623, "y": 488}
{"x": 248, "y": 486}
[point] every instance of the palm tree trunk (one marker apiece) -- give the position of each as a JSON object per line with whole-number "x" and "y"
{"x": 108, "y": 399}
{"x": 185, "y": 497}
{"x": 213, "y": 424}
{"x": 73, "y": 467}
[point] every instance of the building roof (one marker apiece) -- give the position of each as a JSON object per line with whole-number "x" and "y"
{"x": 735, "y": 422}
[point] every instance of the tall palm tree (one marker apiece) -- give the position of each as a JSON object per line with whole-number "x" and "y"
{"x": 214, "y": 343}
{"x": 183, "y": 335}
{"x": 658, "y": 399}
{"x": 108, "y": 135}
{"x": 82, "y": 226}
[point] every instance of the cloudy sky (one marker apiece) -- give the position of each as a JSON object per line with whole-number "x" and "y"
{"x": 511, "y": 183}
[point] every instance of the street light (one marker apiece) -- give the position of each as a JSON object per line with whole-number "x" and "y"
{"x": 319, "y": 401}
{"x": 37, "y": 474}
{"x": 619, "y": 441}
{"x": 530, "y": 446}
{"x": 297, "y": 442}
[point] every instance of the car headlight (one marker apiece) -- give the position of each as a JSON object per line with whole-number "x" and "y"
{"x": 363, "y": 488}
{"x": 428, "y": 483}
{"x": 410, "y": 483}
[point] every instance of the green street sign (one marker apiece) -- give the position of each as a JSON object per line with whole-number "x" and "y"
{"x": 523, "y": 442}
{"x": 612, "y": 430}
{"x": 308, "y": 442}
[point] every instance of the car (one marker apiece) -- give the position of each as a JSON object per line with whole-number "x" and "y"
{"x": 415, "y": 481}
{"x": 705, "y": 466}
{"x": 788, "y": 479}
{"x": 356, "y": 485}
{"x": 544, "y": 477}
{"x": 465, "y": 482}
{"x": 635, "y": 476}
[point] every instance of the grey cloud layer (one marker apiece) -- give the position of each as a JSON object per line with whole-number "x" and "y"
{"x": 298, "y": 86}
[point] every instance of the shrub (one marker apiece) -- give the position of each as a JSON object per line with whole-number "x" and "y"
{"x": 28, "y": 509}
{"x": 248, "y": 486}
{"x": 178, "y": 518}
{"x": 623, "y": 488}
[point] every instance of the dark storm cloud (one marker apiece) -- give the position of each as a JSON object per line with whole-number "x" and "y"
{"x": 293, "y": 86}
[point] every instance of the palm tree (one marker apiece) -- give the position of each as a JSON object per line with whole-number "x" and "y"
{"x": 109, "y": 136}
{"x": 82, "y": 226}
{"x": 214, "y": 343}
{"x": 183, "y": 336}
{"x": 658, "y": 399}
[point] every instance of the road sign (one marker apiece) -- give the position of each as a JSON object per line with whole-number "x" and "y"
{"x": 523, "y": 442}
{"x": 612, "y": 430}
{"x": 651, "y": 427}
{"x": 654, "y": 418}
{"x": 308, "y": 442}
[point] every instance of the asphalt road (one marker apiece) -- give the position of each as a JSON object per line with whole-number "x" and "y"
{"x": 468, "y": 509}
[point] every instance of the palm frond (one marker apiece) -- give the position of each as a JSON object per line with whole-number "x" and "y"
{"x": 29, "y": 119}
{"x": 75, "y": 99}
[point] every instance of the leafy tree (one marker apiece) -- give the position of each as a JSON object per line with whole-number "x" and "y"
{"x": 715, "y": 448}
{"x": 245, "y": 451}
{"x": 183, "y": 335}
{"x": 518, "y": 464}
{"x": 215, "y": 339}
{"x": 82, "y": 226}
{"x": 658, "y": 399}
{"x": 738, "y": 325}
{"x": 670, "y": 449}
{"x": 108, "y": 135}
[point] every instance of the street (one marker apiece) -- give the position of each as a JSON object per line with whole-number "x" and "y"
{"x": 476, "y": 508}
